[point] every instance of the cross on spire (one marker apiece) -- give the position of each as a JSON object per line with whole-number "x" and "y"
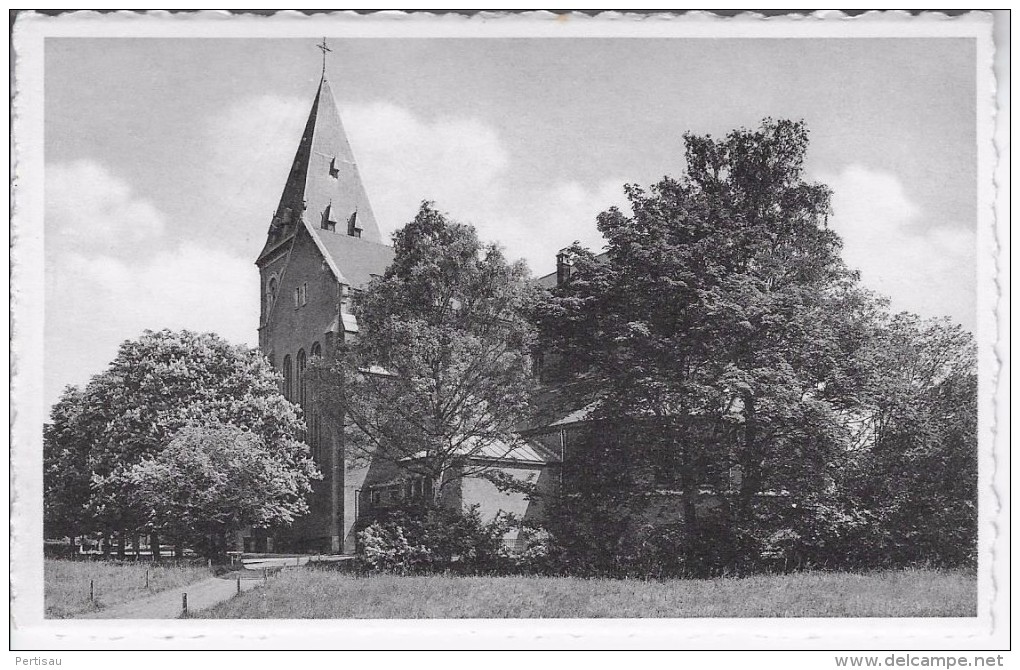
{"x": 324, "y": 49}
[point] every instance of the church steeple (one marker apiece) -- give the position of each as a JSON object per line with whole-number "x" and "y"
{"x": 324, "y": 178}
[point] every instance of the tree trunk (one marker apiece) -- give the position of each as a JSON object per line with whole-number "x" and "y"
{"x": 106, "y": 545}
{"x": 437, "y": 490}
{"x": 154, "y": 546}
{"x": 751, "y": 468}
{"x": 178, "y": 549}
{"x": 121, "y": 546}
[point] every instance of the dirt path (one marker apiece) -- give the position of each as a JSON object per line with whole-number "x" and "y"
{"x": 168, "y": 604}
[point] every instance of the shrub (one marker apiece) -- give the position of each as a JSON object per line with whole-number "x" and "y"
{"x": 434, "y": 540}
{"x": 385, "y": 548}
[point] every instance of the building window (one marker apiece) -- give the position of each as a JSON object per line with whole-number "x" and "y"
{"x": 287, "y": 378}
{"x": 419, "y": 488}
{"x": 301, "y": 364}
{"x": 537, "y": 365}
{"x": 314, "y": 423}
{"x": 302, "y": 390}
{"x": 301, "y": 295}
{"x": 386, "y": 495}
{"x": 271, "y": 287}
{"x": 334, "y": 171}
{"x": 315, "y": 434}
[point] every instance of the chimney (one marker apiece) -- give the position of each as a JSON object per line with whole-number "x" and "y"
{"x": 564, "y": 265}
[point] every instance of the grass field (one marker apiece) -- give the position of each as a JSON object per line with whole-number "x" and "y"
{"x": 66, "y": 591}
{"x": 301, "y": 594}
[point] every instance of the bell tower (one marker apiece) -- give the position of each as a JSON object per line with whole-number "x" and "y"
{"x": 322, "y": 241}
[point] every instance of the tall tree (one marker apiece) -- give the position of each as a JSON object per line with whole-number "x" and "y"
{"x": 723, "y": 322}
{"x": 916, "y": 471}
{"x": 157, "y": 385}
{"x": 439, "y": 372}
{"x": 215, "y": 478}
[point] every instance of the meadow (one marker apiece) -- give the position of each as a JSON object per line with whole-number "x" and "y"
{"x": 67, "y": 583}
{"x": 317, "y": 594}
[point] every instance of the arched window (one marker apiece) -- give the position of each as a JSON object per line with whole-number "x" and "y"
{"x": 288, "y": 387}
{"x": 314, "y": 424}
{"x": 302, "y": 360}
{"x": 271, "y": 287}
{"x": 301, "y": 396}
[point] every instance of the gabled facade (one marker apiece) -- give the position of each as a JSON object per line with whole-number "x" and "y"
{"x": 324, "y": 244}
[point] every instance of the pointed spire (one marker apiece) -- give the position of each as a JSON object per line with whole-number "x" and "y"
{"x": 324, "y": 174}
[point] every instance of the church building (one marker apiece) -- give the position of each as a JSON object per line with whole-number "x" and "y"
{"x": 324, "y": 245}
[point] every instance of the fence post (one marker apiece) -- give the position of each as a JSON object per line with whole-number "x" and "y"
{"x": 265, "y": 575}
{"x": 146, "y": 578}
{"x": 92, "y": 590}
{"x": 238, "y": 584}
{"x": 184, "y": 603}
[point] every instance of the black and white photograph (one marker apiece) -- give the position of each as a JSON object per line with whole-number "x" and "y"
{"x": 674, "y": 329}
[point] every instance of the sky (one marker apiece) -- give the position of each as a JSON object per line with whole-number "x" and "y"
{"x": 165, "y": 158}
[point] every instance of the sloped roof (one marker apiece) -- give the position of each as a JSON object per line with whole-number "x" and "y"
{"x": 528, "y": 452}
{"x": 523, "y": 452}
{"x": 548, "y": 281}
{"x": 324, "y": 180}
{"x": 558, "y": 406}
{"x": 356, "y": 259}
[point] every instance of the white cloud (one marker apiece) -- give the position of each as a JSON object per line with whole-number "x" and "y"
{"x": 923, "y": 269}
{"x": 535, "y": 228}
{"x": 463, "y": 166}
{"x": 95, "y": 302}
{"x": 460, "y": 163}
{"x": 88, "y": 206}
{"x": 111, "y": 273}
{"x": 251, "y": 147}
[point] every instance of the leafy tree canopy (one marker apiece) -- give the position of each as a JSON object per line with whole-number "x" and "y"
{"x": 916, "y": 470}
{"x": 216, "y": 477}
{"x": 130, "y": 413}
{"x": 439, "y": 371}
{"x": 723, "y": 321}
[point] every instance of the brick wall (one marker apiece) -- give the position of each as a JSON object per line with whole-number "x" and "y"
{"x": 288, "y": 331}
